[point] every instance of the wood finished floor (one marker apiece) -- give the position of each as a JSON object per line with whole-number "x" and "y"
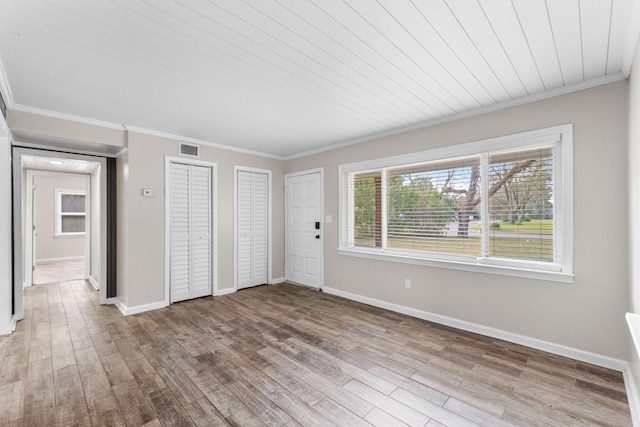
{"x": 280, "y": 355}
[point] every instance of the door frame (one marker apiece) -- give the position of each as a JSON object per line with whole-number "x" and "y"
{"x": 167, "y": 221}
{"x": 30, "y": 206}
{"x": 18, "y": 214}
{"x": 319, "y": 171}
{"x": 268, "y": 172}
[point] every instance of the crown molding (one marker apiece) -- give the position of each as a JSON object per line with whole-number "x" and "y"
{"x": 612, "y": 78}
{"x": 202, "y": 142}
{"x": 576, "y": 87}
{"x": 5, "y": 89}
{"x": 633, "y": 32}
{"x": 68, "y": 117}
{"x": 125, "y": 127}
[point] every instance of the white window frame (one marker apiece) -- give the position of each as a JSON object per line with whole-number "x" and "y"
{"x": 561, "y": 270}
{"x": 58, "y": 228}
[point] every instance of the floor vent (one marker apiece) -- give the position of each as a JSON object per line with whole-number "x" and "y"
{"x": 189, "y": 150}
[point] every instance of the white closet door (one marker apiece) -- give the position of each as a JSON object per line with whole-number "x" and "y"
{"x": 252, "y": 218}
{"x": 190, "y": 231}
{"x": 259, "y": 270}
{"x": 244, "y": 219}
{"x": 200, "y": 231}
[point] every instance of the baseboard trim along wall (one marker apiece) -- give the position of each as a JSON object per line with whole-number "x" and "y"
{"x": 632, "y": 395}
{"x": 573, "y": 353}
{"x": 68, "y": 258}
{"x": 226, "y": 291}
{"x": 278, "y": 281}
{"x": 128, "y": 311}
{"x": 94, "y": 283}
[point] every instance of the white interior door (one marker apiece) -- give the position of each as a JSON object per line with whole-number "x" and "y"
{"x": 304, "y": 228}
{"x": 252, "y": 226}
{"x": 190, "y": 232}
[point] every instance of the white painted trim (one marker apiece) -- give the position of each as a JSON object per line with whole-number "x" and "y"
{"x": 58, "y": 206}
{"x": 94, "y": 283}
{"x": 225, "y": 291}
{"x": 65, "y": 150}
{"x": 552, "y": 276}
{"x": 167, "y": 220}
{"x": 201, "y": 142}
{"x": 269, "y": 174}
{"x": 633, "y": 31}
{"x": 278, "y": 280}
{"x": 632, "y": 395}
{"x": 561, "y": 137}
{"x": 68, "y": 258}
{"x": 322, "y": 217}
{"x": 7, "y": 286}
{"x": 5, "y": 89}
{"x": 128, "y": 311}
{"x": 561, "y": 350}
{"x": 576, "y": 87}
{"x": 10, "y": 327}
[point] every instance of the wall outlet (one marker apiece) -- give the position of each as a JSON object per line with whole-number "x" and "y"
{"x": 407, "y": 283}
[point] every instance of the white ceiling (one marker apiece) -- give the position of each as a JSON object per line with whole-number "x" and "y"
{"x": 290, "y": 76}
{"x": 55, "y": 164}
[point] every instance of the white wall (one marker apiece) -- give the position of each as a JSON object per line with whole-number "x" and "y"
{"x": 6, "y": 282}
{"x": 634, "y": 198}
{"x": 48, "y": 245}
{"x": 587, "y": 315}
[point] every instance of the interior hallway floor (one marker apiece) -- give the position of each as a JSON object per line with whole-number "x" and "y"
{"x": 58, "y": 271}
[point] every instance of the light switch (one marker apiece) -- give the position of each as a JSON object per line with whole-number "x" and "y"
{"x": 327, "y": 219}
{"x": 148, "y": 192}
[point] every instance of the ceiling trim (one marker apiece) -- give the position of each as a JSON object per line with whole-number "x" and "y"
{"x": 68, "y": 117}
{"x": 5, "y": 89}
{"x": 612, "y": 78}
{"x": 202, "y": 142}
{"x": 633, "y": 32}
{"x": 125, "y": 127}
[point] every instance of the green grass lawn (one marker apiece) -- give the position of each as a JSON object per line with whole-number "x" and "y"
{"x": 523, "y": 248}
{"x": 535, "y": 226}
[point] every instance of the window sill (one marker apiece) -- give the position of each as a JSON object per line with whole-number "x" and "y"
{"x": 552, "y": 276}
{"x": 69, "y": 236}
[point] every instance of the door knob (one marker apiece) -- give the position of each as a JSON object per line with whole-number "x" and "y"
{"x": 317, "y": 236}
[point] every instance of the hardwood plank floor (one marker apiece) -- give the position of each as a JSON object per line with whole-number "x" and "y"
{"x": 280, "y": 355}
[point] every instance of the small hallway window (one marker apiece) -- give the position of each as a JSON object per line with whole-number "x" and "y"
{"x": 71, "y": 212}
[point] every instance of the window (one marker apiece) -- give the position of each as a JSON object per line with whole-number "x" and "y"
{"x": 70, "y": 212}
{"x": 500, "y": 205}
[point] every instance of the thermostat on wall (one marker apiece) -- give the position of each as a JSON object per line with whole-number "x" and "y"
{"x": 148, "y": 192}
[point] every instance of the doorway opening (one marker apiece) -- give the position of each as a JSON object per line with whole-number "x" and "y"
{"x": 57, "y": 215}
{"x": 60, "y": 220}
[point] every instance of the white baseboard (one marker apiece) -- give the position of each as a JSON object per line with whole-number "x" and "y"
{"x": 561, "y": 350}
{"x": 10, "y": 327}
{"x": 278, "y": 280}
{"x": 68, "y": 258}
{"x": 632, "y": 395}
{"x": 225, "y": 291}
{"x": 128, "y": 311}
{"x": 94, "y": 283}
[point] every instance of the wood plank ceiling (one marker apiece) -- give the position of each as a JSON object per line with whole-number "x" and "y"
{"x": 288, "y": 76}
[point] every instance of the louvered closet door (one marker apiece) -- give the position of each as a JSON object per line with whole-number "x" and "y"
{"x": 190, "y": 229}
{"x": 252, "y": 228}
